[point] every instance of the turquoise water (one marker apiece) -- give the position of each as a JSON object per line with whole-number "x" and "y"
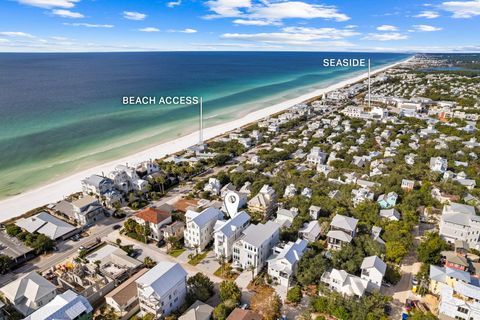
{"x": 63, "y": 112}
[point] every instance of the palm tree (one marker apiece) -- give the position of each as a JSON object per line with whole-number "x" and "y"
{"x": 252, "y": 269}
{"x": 222, "y": 263}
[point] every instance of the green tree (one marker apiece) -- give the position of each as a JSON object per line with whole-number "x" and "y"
{"x": 311, "y": 267}
{"x": 230, "y": 291}
{"x": 200, "y": 287}
{"x": 429, "y": 249}
{"x": 295, "y": 294}
{"x": 149, "y": 262}
{"x": 5, "y": 263}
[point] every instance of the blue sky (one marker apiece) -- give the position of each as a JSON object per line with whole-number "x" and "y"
{"x": 307, "y": 25}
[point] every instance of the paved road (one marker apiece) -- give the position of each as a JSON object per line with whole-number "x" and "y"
{"x": 65, "y": 250}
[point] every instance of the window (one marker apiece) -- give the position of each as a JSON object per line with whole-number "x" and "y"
{"x": 462, "y": 310}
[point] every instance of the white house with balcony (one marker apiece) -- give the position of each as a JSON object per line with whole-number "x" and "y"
{"x": 344, "y": 283}
{"x": 227, "y": 232}
{"x": 342, "y": 230}
{"x": 282, "y": 265}
{"x": 460, "y": 222}
{"x": 162, "y": 289}
{"x": 200, "y": 226}
{"x": 373, "y": 270}
{"x": 316, "y": 156}
{"x": 255, "y": 245}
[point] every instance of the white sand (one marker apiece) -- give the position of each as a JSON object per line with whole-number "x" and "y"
{"x": 53, "y": 192}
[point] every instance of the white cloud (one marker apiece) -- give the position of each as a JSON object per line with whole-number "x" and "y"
{"x": 236, "y": 45}
{"x": 149, "y": 29}
{"x": 49, "y": 3}
{"x": 4, "y": 40}
{"x": 172, "y": 4}
{"x": 58, "y": 38}
{"x": 390, "y": 36}
{"x": 89, "y": 25}
{"x": 187, "y": 30}
{"x": 323, "y": 33}
{"x": 425, "y": 28}
{"x": 386, "y": 27}
{"x": 67, "y": 13}
{"x": 351, "y": 26}
{"x": 462, "y": 9}
{"x": 428, "y": 15}
{"x": 227, "y": 8}
{"x": 297, "y": 36}
{"x": 132, "y": 15}
{"x": 16, "y": 34}
{"x": 254, "y": 22}
{"x": 276, "y": 11}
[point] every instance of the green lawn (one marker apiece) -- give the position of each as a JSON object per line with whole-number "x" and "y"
{"x": 177, "y": 252}
{"x": 226, "y": 273}
{"x": 198, "y": 258}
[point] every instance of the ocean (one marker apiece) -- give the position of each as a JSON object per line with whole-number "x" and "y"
{"x": 62, "y": 112}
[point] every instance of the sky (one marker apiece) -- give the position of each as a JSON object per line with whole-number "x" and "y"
{"x": 255, "y": 25}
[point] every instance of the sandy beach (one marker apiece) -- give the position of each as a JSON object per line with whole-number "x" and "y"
{"x": 53, "y": 192}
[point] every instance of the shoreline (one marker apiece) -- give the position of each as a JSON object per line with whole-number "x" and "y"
{"x": 50, "y": 193}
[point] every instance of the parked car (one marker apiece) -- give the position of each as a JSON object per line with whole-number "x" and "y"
{"x": 414, "y": 280}
{"x": 116, "y": 227}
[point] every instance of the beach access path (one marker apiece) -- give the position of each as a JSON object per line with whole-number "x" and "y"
{"x": 53, "y": 192}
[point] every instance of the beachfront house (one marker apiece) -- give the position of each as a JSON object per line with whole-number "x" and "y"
{"x": 87, "y": 210}
{"x": 96, "y": 184}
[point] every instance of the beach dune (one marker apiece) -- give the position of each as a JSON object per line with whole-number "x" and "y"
{"x": 53, "y": 192}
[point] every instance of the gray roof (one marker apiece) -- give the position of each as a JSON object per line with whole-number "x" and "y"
{"x": 344, "y": 222}
{"x": 65, "y": 306}
{"x": 65, "y": 208}
{"x": 197, "y": 311}
{"x": 292, "y": 252}
{"x": 257, "y": 234}
{"x": 228, "y": 227}
{"x": 389, "y": 213}
{"x": 95, "y": 180}
{"x": 339, "y": 235}
{"x": 46, "y": 224}
{"x": 32, "y": 286}
{"x": 85, "y": 201}
{"x": 459, "y": 214}
{"x": 205, "y": 216}
{"x": 374, "y": 262}
{"x": 161, "y": 278}
{"x": 460, "y": 208}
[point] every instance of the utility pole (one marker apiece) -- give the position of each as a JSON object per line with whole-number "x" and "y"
{"x": 369, "y": 94}
{"x": 201, "y": 122}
